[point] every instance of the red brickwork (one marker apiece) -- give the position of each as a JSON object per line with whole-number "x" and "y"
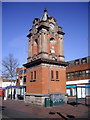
{"x": 78, "y": 67}
{"x": 43, "y": 83}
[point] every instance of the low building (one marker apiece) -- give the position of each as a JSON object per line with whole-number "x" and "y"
{"x": 21, "y": 83}
{"x": 78, "y": 77}
{"x": 15, "y": 88}
{"x": 5, "y": 86}
{"x": 5, "y": 81}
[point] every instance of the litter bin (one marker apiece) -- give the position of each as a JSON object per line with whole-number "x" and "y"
{"x": 47, "y": 102}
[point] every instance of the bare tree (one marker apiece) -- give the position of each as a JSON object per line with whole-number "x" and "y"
{"x": 9, "y": 65}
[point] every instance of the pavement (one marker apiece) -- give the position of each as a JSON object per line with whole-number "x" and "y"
{"x": 19, "y": 109}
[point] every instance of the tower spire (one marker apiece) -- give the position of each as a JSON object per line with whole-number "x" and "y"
{"x": 45, "y": 15}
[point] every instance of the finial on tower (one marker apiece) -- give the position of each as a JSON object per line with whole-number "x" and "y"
{"x": 45, "y": 15}
{"x": 45, "y": 10}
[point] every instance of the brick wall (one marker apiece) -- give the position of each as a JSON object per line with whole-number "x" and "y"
{"x": 79, "y": 67}
{"x": 43, "y": 83}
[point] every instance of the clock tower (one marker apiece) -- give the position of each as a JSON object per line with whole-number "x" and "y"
{"x": 46, "y": 68}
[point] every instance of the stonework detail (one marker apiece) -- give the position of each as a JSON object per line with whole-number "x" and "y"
{"x": 45, "y": 37}
{"x": 39, "y": 100}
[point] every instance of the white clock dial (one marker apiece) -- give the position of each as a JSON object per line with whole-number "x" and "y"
{"x": 35, "y": 30}
{"x": 51, "y": 26}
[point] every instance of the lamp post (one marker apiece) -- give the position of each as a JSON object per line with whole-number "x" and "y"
{"x": 76, "y": 96}
{"x": 85, "y": 97}
{"x": 11, "y": 86}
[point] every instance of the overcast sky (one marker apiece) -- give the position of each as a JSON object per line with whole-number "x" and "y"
{"x": 17, "y": 20}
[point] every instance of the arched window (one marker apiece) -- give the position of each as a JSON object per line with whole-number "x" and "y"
{"x": 52, "y": 40}
{"x": 36, "y": 42}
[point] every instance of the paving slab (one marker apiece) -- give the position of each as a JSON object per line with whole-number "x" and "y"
{"x": 24, "y": 110}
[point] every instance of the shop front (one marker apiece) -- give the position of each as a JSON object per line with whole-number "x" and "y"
{"x": 15, "y": 92}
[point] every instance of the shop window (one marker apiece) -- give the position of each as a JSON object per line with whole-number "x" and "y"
{"x": 56, "y": 74}
{"x": 68, "y": 91}
{"x": 52, "y": 75}
{"x": 73, "y": 91}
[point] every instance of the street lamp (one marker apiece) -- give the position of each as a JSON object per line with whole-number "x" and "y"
{"x": 76, "y": 96}
{"x": 11, "y": 86}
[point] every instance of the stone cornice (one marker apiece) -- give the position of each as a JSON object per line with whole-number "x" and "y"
{"x": 42, "y": 60}
{"x": 60, "y": 32}
{"x": 42, "y": 95}
{"x": 43, "y": 26}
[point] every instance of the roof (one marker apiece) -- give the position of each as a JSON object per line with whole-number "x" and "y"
{"x": 88, "y": 57}
{"x": 6, "y": 79}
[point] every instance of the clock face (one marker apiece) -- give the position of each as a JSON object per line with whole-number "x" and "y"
{"x": 51, "y": 26}
{"x": 35, "y": 30}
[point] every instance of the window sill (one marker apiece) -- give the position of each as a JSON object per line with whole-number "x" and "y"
{"x": 32, "y": 80}
{"x": 52, "y": 79}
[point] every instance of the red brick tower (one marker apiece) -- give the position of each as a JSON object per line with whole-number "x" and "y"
{"x": 46, "y": 68}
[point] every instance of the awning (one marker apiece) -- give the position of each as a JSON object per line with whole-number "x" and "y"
{"x": 87, "y": 85}
{"x": 74, "y": 86}
{"x": 18, "y": 86}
